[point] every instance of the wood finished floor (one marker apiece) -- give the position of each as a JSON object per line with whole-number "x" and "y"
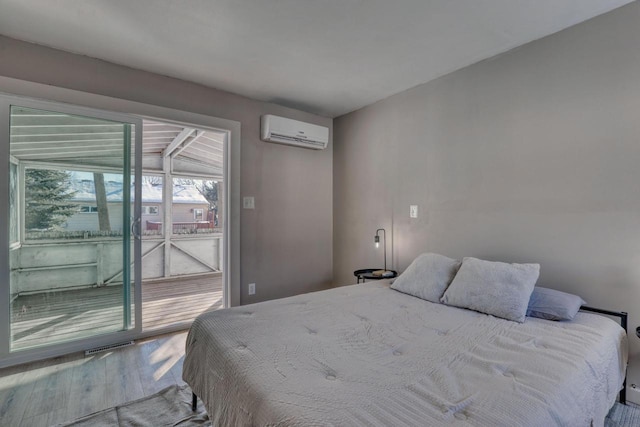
{"x": 59, "y": 316}
{"x": 65, "y": 388}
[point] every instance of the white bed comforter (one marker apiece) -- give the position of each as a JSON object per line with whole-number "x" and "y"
{"x": 368, "y": 355}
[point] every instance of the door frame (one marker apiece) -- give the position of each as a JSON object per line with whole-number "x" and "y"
{"x": 231, "y": 273}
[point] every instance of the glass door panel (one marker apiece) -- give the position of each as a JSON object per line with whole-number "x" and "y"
{"x": 71, "y": 198}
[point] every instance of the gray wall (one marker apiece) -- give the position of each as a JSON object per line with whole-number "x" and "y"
{"x": 286, "y": 242}
{"x": 532, "y": 156}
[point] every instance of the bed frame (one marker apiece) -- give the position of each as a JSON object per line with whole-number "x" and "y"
{"x": 623, "y": 315}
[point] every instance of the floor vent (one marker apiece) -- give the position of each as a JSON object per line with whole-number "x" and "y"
{"x": 108, "y": 348}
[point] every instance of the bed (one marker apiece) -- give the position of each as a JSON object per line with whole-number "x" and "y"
{"x": 369, "y": 355}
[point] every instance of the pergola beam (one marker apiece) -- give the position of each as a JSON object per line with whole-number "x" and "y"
{"x": 167, "y": 220}
{"x": 199, "y": 134}
{"x": 179, "y": 139}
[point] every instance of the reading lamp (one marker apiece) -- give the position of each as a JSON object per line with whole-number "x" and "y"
{"x": 377, "y": 242}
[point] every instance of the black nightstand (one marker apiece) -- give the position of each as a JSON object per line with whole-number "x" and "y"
{"x": 366, "y": 274}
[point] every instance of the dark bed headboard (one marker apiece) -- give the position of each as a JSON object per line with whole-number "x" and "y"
{"x": 623, "y": 315}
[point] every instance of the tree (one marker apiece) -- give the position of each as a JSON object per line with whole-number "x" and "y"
{"x": 209, "y": 190}
{"x": 152, "y": 179}
{"x": 101, "y": 202}
{"x": 47, "y": 198}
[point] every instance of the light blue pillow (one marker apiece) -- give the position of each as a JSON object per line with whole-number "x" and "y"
{"x": 496, "y": 288}
{"x": 550, "y": 304}
{"x": 427, "y": 277}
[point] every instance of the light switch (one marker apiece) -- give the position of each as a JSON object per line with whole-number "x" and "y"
{"x": 413, "y": 211}
{"x": 248, "y": 202}
{"x": 252, "y": 288}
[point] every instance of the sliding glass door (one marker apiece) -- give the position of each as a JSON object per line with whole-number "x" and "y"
{"x": 70, "y": 227}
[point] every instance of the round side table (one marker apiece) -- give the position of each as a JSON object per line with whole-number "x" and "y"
{"x": 367, "y": 274}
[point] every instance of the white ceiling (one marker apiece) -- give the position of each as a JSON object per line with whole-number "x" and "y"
{"x": 324, "y": 56}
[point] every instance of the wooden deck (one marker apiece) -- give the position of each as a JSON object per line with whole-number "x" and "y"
{"x": 46, "y": 318}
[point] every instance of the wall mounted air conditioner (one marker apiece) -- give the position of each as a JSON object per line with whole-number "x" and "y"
{"x": 292, "y": 132}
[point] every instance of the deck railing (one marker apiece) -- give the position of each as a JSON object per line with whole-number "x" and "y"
{"x": 57, "y": 264}
{"x": 70, "y": 235}
{"x": 153, "y": 228}
{"x": 194, "y": 227}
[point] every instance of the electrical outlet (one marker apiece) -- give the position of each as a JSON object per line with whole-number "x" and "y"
{"x": 633, "y": 393}
{"x": 413, "y": 211}
{"x": 252, "y": 288}
{"x": 248, "y": 202}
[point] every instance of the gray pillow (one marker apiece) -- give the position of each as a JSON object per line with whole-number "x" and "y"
{"x": 427, "y": 277}
{"x": 550, "y": 304}
{"x": 496, "y": 288}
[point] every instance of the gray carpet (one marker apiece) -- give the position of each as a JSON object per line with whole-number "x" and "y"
{"x": 169, "y": 407}
{"x": 623, "y": 416}
{"x": 172, "y": 407}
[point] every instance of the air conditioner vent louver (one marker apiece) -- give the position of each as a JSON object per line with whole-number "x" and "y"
{"x": 292, "y": 132}
{"x": 302, "y": 139}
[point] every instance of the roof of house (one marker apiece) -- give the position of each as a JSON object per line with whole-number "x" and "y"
{"x": 151, "y": 193}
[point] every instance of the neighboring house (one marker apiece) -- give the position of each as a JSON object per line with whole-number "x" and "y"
{"x": 190, "y": 208}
